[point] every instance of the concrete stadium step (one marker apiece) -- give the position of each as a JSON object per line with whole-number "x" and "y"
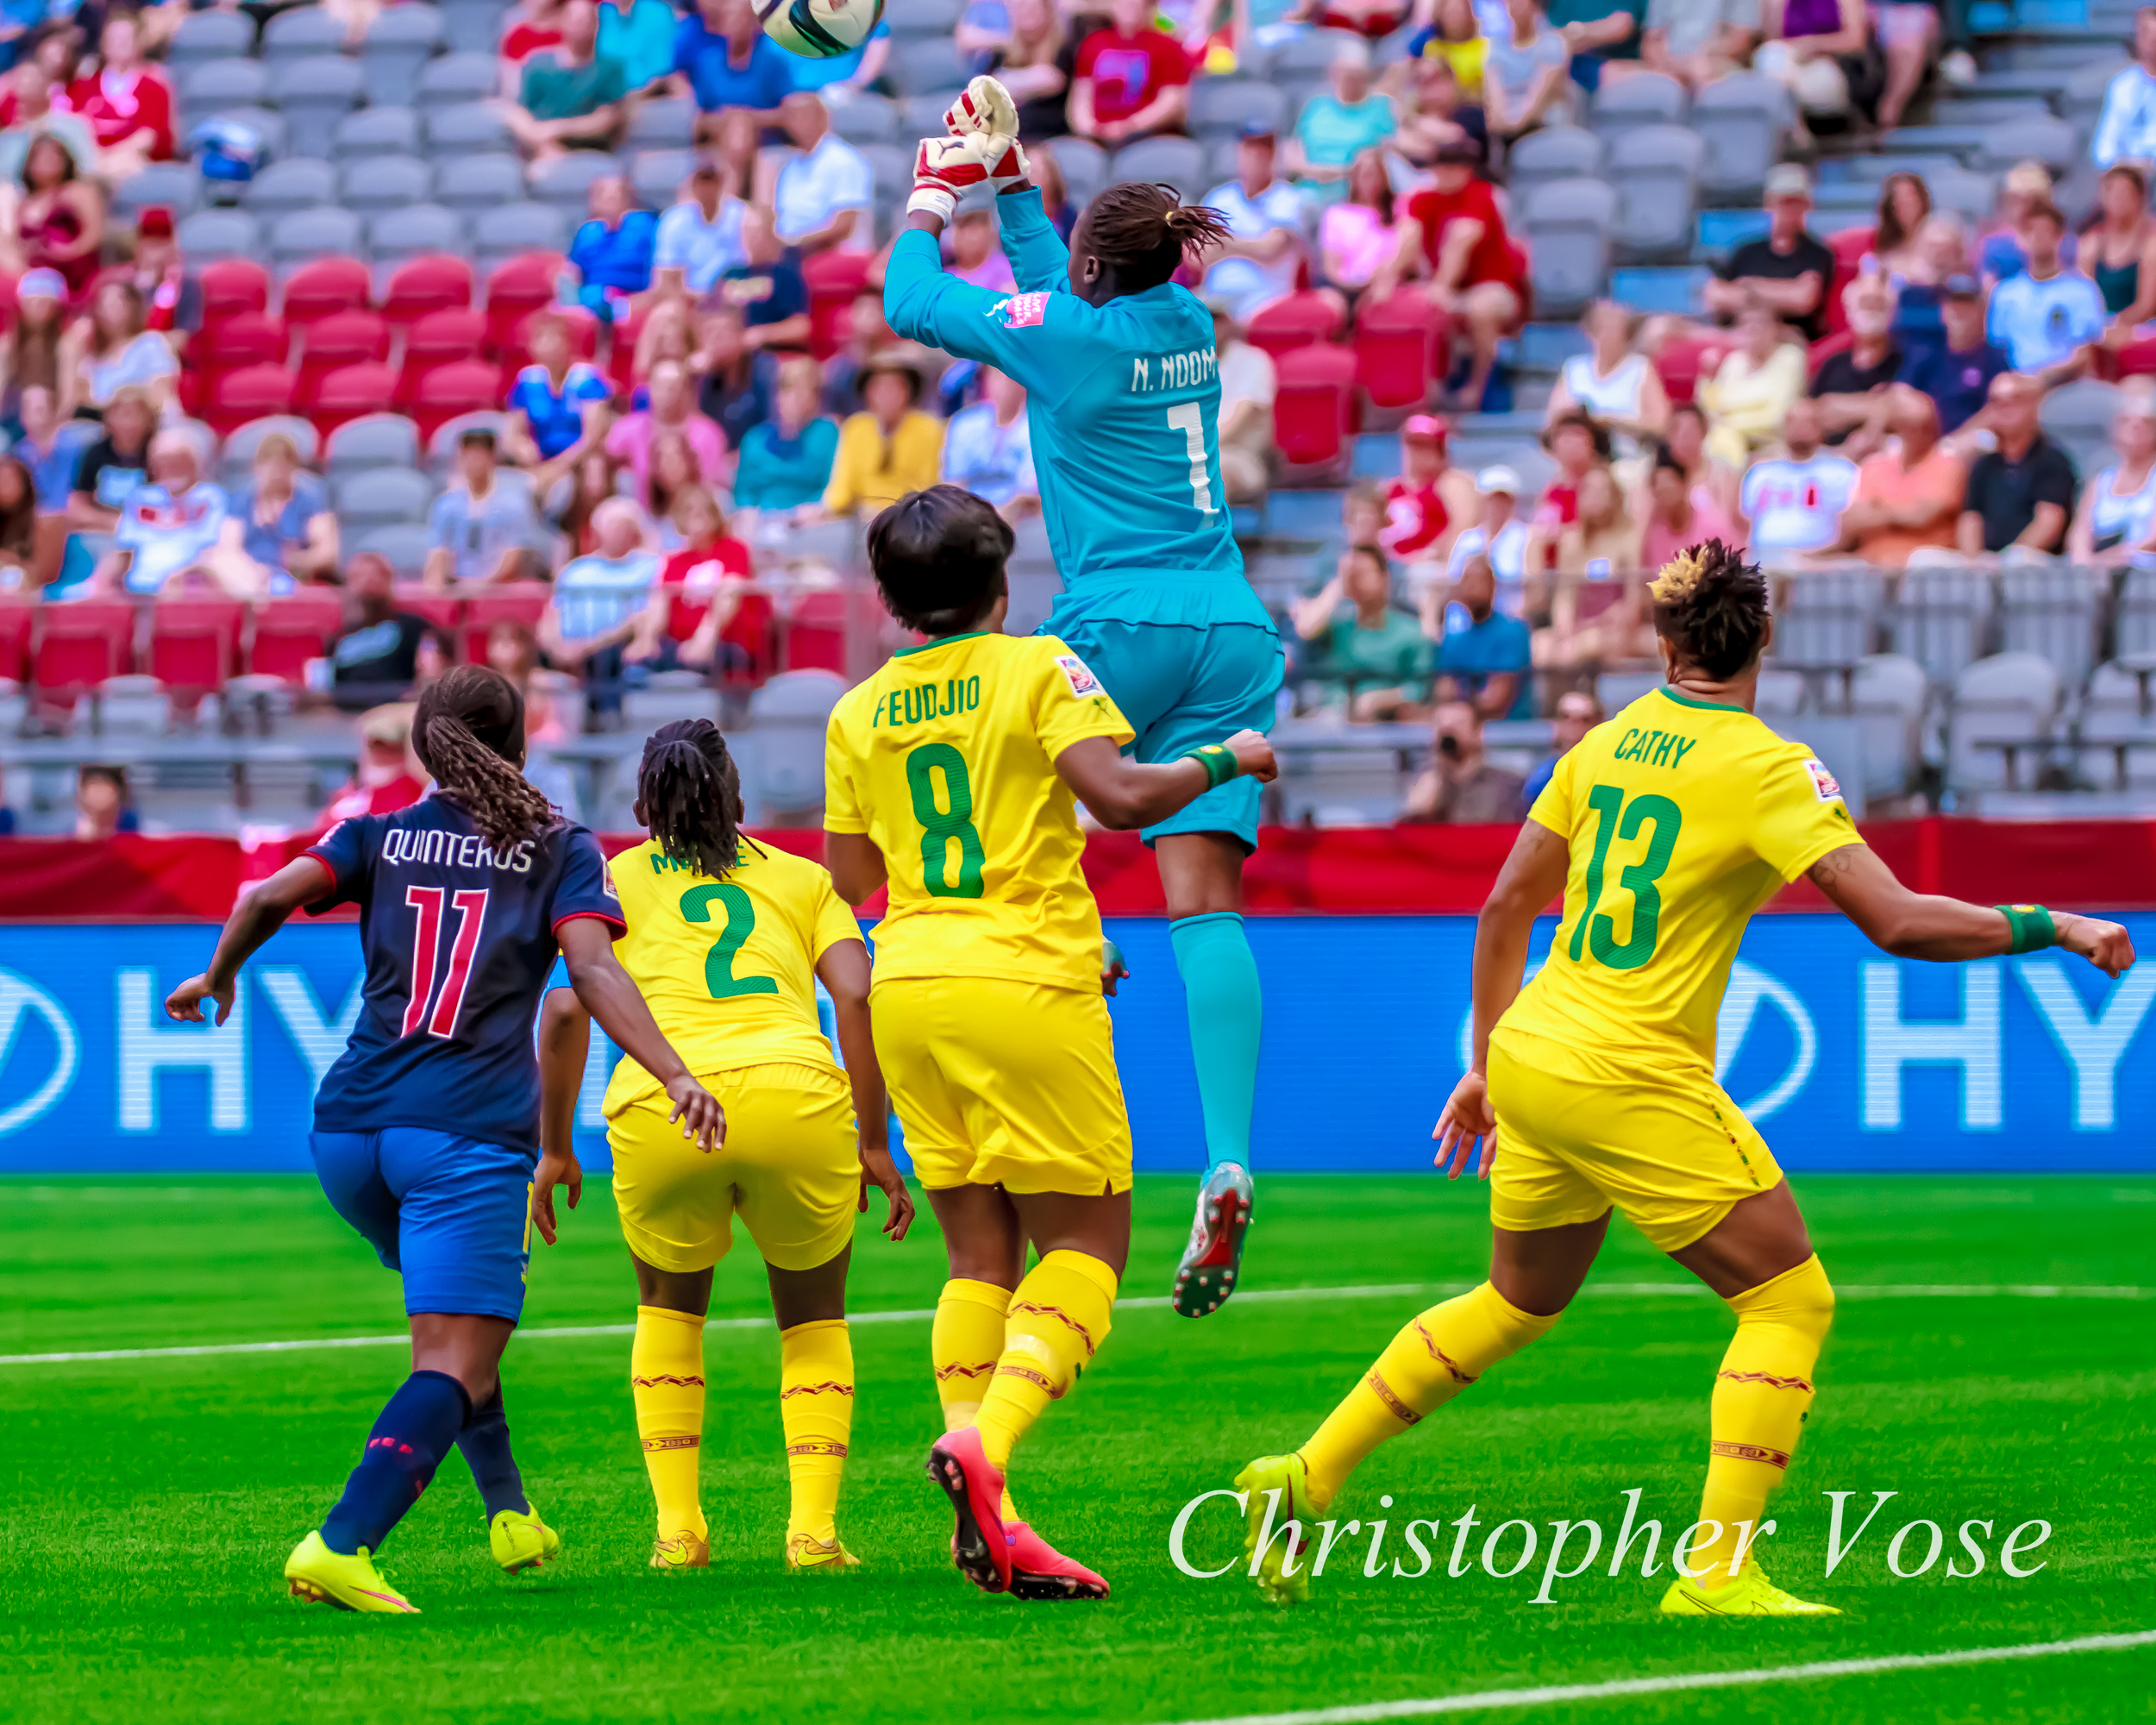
{"x": 1872, "y": 169}
{"x": 2042, "y": 82}
{"x": 1955, "y": 142}
{"x": 1988, "y": 111}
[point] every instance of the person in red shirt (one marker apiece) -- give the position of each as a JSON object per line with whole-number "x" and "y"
{"x": 1454, "y": 232}
{"x": 127, "y": 103}
{"x": 1579, "y": 445}
{"x": 389, "y": 777}
{"x": 1130, "y": 80}
{"x": 530, "y": 29}
{"x": 1430, "y": 503}
{"x": 717, "y": 621}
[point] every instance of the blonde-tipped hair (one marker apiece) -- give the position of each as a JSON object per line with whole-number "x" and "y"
{"x": 1680, "y": 577}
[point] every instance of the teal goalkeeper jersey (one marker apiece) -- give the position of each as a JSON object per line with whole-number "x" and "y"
{"x": 1124, "y": 408}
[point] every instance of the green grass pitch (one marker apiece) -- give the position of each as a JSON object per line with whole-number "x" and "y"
{"x": 146, "y": 1505}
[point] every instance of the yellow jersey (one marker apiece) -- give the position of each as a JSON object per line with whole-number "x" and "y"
{"x": 1683, "y": 817}
{"x": 727, "y": 965}
{"x": 946, "y": 759}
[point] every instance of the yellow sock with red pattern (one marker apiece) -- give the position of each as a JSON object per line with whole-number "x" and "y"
{"x": 666, "y": 1374}
{"x": 1059, "y": 1317}
{"x": 965, "y": 1342}
{"x": 815, "y": 1406}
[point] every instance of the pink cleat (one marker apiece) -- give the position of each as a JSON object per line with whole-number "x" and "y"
{"x": 1039, "y": 1571}
{"x": 980, "y": 1547}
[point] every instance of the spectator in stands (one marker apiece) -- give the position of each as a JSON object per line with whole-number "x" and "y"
{"x": 572, "y": 504}
{"x": 1437, "y": 112}
{"x": 1942, "y": 250}
{"x": 673, "y": 408}
{"x": 2021, "y": 494}
{"x": 1789, "y": 270}
{"x": 1601, "y": 539}
{"x": 1129, "y": 80}
{"x": 1697, "y": 41}
{"x": 989, "y": 447}
{"x": 1598, "y": 613}
{"x": 1258, "y": 263}
{"x": 766, "y": 287}
{"x": 1999, "y": 252}
{"x": 1612, "y": 385}
{"x": 888, "y": 448}
{"x": 738, "y": 381}
{"x": 665, "y": 335}
{"x": 2126, "y": 129}
{"x": 842, "y": 77}
{"x": 120, "y": 350}
{"x": 611, "y": 253}
{"x": 571, "y": 98}
{"x": 1793, "y": 500}
{"x": 480, "y": 528}
{"x": 2119, "y": 251}
{"x": 786, "y": 461}
{"x": 638, "y": 36}
{"x": 726, "y": 62}
{"x": 1703, "y": 470}
{"x": 126, "y": 101}
{"x": 114, "y": 466}
{"x": 281, "y": 521}
{"x": 1249, "y": 386}
{"x": 1335, "y": 128}
{"x": 30, "y": 354}
{"x": 1905, "y": 205}
{"x": 699, "y": 239}
{"x": 1524, "y": 83}
{"x": 1498, "y": 535}
{"x": 30, "y": 113}
{"x": 104, "y": 806}
{"x": 1805, "y": 43}
{"x": 1057, "y": 203}
{"x": 1596, "y": 34}
{"x": 60, "y": 220}
{"x": 389, "y": 777}
{"x": 528, "y": 28}
{"x": 1037, "y": 58}
{"x": 2047, "y": 317}
{"x": 160, "y": 275}
{"x": 1579, "y": 447}
{"x": 1461, "y": 786}
{"x": 2117, "y": 516}
{"x": 1375, "y": 659}
{"x": 550, "y": 697}
{"x": 1908, "y": 495}
{"x": 1851, "y": 384}
{"x": 169, "y": 527}
{"x": 1576, "y": 713}
{"x": 1453, "y": 37}
{"x": 975, "y": 256}
{"x": 1484, "y": 656}
{"x": 1956, "y": 375}
{"x": 376, "y": 654}
{"x": 599, "y": 601}
{"x": 558, "y": 406}
{"x": 51, "y": 447}
{"x": 713, "y": 569}
{"x": 1425, "y": 509}
{"x": 824, "y": 194}
{"x": 1907, "y": 34}
{"x": 18, "y": 523}
{"x": 673, "y": 470}
{"x": 1456, "y": 231}
{"x": 1357, "y": 235}
{"x": 1679, "y": 514}
{"x": 1753, "y": 388}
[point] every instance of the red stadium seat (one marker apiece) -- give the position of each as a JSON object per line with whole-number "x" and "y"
{"x": 439, "y": 339}
{"x": 1294, "y": 322}
{"x": 80, "y": 644}
{"x": 1314, "y": 410}
{"x": 816, "y": 634}
{"x": 468, "y": 386}
{"x": 1399, "y": 346}
{"x": 246, "y": 338}
{"x": 351, "y": 392}
{"x": 438, "y": 283}
{"x": 344, "y": 338}
{"x": 519, "y": 288}
{"x": 443, "y": 611}
{"x": 324, "y": 288}
{"x": 523, "y": 602}
{"x": 1682, "y": 362}
{"x": 834, "y": 280}
{"x": 1849, "y": 248}
{"x": 16, "y": 617}
{"x": 290, "y": 630}
{"x": 2137, "y": 359}
{"x": 251, "y": 392}
{"x": 232, "y": 286}
{"x": 621, "y": 358}
{"x": 195, "y": 642}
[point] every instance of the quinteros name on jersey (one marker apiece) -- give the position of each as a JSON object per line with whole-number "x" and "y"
{"x": 452, "y": 849}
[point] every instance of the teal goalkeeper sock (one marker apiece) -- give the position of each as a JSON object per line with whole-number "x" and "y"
{"x": 1227, "y": 1010}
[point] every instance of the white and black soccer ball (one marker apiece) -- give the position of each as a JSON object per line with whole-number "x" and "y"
{"x": 819, "y": 29}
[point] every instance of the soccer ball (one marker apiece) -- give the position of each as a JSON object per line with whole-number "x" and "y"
{"x": 819, "y": 29}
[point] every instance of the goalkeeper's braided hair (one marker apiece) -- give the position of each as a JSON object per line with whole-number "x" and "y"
{"x": 469, "y": 733}
{"x": 1711, "y": 606}
{"x": 688, "y": 793}
{"x": 1146, "y": 232}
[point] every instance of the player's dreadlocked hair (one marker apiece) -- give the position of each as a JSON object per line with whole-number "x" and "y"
{"x": 1144, "y": 232}
{"x": 469, "y": 733}
{"x": 688, "y": 793}
{"x": 1711, "y": 606}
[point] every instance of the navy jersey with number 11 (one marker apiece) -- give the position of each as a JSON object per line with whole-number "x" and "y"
{"x": 458, "y": 938}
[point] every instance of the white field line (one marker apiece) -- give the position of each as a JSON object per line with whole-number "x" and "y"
{"x": 1369, "y": 1291}
{"x": 1494, "y": 1699}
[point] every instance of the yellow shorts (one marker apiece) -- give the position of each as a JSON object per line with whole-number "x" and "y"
{"x": 1575, "y": 1135}
{"x": 1004, "y": 1084}
{"x": 790, "y": 1167}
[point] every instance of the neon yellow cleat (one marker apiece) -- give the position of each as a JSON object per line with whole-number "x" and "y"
{"x": 805, "y": 1554}
{"x": 681, "y": 1550}
{"x": 522, "y": 1542}
{"x": 1750, "y": 1595}
{"x": 1278, "y": 1578}
{"x": 322, "y": 1576}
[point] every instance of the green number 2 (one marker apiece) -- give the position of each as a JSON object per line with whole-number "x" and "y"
{"x": 939, "y": 826}
{"x": 740, "y": 923}
{"x": 1599, "y": 931}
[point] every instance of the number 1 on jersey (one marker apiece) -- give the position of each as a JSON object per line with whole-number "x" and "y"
{"x": 470, "y": 906}
{"x": 1186, "y": 420}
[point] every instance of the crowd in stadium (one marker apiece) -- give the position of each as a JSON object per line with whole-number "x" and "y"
{"x": 406, "y": 378}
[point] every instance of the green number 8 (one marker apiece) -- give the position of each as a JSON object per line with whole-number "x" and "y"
{"x": 939, "y": 826}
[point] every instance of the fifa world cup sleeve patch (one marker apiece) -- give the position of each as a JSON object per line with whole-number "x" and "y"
{"x": 1824, "y": 786}
{"x": 606, "y": 877}
{"x": 1021, "y": 310}
{"x": 1083, "y": 684}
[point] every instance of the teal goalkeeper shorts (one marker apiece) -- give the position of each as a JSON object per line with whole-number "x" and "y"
{"x": 1189, "y": 662}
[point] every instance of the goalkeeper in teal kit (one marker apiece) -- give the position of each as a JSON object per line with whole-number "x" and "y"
{"x": 1119, "y": 366}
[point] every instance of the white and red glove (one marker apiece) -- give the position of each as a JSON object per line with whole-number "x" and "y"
{"x": 945, "y": 169}
{"x": 983, "y": 106}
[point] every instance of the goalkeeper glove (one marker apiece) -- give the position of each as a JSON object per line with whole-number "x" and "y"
{"x": 945, "y": 169}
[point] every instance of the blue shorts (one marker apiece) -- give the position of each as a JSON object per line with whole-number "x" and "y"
{"x": 451, "y": 1215}
{"x": 1208, "y": 666}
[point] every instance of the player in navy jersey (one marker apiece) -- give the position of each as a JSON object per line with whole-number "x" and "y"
{"x": 427, "y": 1129}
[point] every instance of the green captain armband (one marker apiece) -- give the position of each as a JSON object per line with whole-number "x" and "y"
{"x": 2032, "y": 926}
{"x": 1218, "y": 760}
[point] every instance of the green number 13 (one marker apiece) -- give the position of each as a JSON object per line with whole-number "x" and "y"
{"x": 740, "y": 923}
{"x": 940, "y": 826}
{"x": 1618, "y": 819}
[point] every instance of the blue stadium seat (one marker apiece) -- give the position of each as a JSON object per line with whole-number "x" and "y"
{"x": 463, "y": 127}
{"x": 285, "y": 186}
{"x": 473, "y": 183}
{"x": 459, "y": 78}
{"x": 299, "y": 32}
{"x": 376, "y": 132}
{"x": 378, "y": 440}
{"x": 211, "y": 235}
{"x": 208, "y": 36}
{"x": 212, "y": 86}
{"x": 383, "y": 183}
{"x": 399, "y": 44}
{"x": 314, "y": 95}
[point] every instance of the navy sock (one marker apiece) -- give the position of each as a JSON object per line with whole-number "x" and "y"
{"x": 485, "y": 1442}
{"x": 413, "y": 1433}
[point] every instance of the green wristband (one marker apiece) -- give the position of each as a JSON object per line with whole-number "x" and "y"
{"x": 1218, "y": 760}
{"x": 2032, "y": 926}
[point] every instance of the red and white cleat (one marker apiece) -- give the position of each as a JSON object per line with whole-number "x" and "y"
{"x": 980, "y": 1547}
{"x": 1213, "y": 1258}
{"x": 1039, "y": 1571}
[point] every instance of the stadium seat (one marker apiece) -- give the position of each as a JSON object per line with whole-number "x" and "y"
{"x": 1828, "y": 616}
{"x": 465, "y": 128}
{"x": 1221, "y": 108}
{"x": 323, "y": 289}
{"x": 451, "y": 337}
{"x": 435, "y": 283}
{"x": 233, "y": 343}
{"x": 236, "y": 458}
{"x": 1313, "y": 411}
{"x": 211, "y": 236}
{"x": 890, "y": 170}
{"x": 459, "y": 78}
{"x": 381, "y": 497}
{"x": 350, "y": 393}
{"x": 813, "y": 638}
{"x": 290, "y": 630}
{"x": 2011, "y": 698}
{"x": 1083, "y": 164}
{"x": 383, "y": 185}
{"x": 1655, "y": 171}
{"x": 209, "y": 36}
{"x": 285, "y": 186}
{"x": 1295, "y": 322}
{"x": 441, "y": 441}
{"x": 215, "y": 86}
{"x": 267, "y": 125}
{"x": 300, "y": 32}
{"x": 1567, "y": 227}
{"x": 1740, "y": 120}
{"x": 399, "y": 43}
{"x": 662, "y": 123}
{"x": 525, "y": 285}
{"x": 377, "y": 132}
{"x": 1310, "y": 54}
{"x": 1682, "y": 361}
{"x": 398, "y": 237}
{"x": 656, "y": 176}
{"x": 2052, "y": 142}
{"x": 249, "y": 393}
{"x": 2055, "y": 613}
{"x": 232, "y": 287}
{"x": 920, "y": 68}
{"x": 79, "y": 644}
{"x": 790, "y": 714}
{"x": 866, "y": 119}
{"x": 406, "y": 550}
{"x": 1399, "y": 346}
{"x": 523, "y": 602}
{"x": 926, "y": 18}
{"x": 2077, "y": 416}
{"x": 565, "y": 182}
{"x": 834, "y": 280}
{"x": 471, "y": 184}
{"x": 512, "y": 230}
{"x": 1942, "y": 617}
{"x": 1553, "y": 152}
{"x": 195, "y": 642}
{"x": 18, "y": 616}
{"x": 1646, "y": 98}
{"x": 472, "y": 26}
{"x": 328, "y": 344}
{"x": 448, "y": 391}
{"x": 1180, "y": 162}
{"x": 379, "y": 440}
{"x": 314, "y": 95}
{"x": 304, "y": 235}
{"x": 2116, "y": 729}
{"x": 176, "y": 185}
